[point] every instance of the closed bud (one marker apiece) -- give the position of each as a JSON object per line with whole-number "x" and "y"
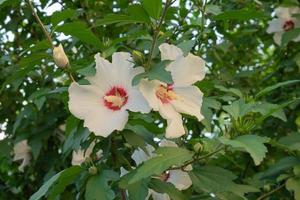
{"x": 93, "y": 170}
{"x": 138, "y": 57}
{"x": 198, "y": 147}
{"x": 59, "y": 56}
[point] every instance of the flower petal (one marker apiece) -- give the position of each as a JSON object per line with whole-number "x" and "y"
{"x": 148, "y": 89}
{"x": 275, "y": 26}
{"x": 277, "y": 38}
{"x": 159, "y": 196}
{"x": 180, "y": 179}
{"x": 122, "y": 60}
{"x": 167, "y": 143}
{"x": 137, "y": 102}
{"x": 175, "y": 127}
{"x": 187, "y": 70}
{"x": 139, "y": 155}
{"x": 283, "y": 12}
{"x": 189, "y": 101}
{"x": 169, "y": 52}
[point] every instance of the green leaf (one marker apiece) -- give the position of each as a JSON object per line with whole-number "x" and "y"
{"x": 230, "y": 90}
{"x": 212, "y": 179}
{"x": 274, "y": 87}
{"x": 166, "y": 157}
{"x": 59, "y": 16}
{"x": 5, "y": 148}
{"x": 57, "y": 183}
{"x": 98, "y": 188}
{"x": 136, "y": 80}
{"x": 153, "y": 7}
{"x": 291, "y": 141}
{"x": 213, "y": 9}
{"x": 293, "y": 185}
{"x": 279, "y": 167}
{"x": 289, "y": 36}
{"x": 80, "y": 31}
{"x": 168, "y": 188}
{"x": 241, "y": 15}
{"x": 186, "y": 46}
{"x": 266, "y": 108}
{"x": 252, "y": 144}
{"x": 238, "y": 108}
{"x": 138, "y": 190}
{"x": 158, "y": 72}
{"x": 118, "y": 18}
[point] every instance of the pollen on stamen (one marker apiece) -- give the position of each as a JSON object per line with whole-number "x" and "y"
{"x": 115, "y": 98}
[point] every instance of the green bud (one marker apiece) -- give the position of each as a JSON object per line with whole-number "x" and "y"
{"x": 93, "y": 170}
{"x": 138, "y": 57}
{"x": 88, "y": 160}
{"x": 198, "y": 147}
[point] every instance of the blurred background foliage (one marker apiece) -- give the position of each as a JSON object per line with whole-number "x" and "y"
{"x": 251, "y": 87}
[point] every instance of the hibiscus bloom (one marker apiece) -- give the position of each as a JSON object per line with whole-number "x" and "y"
{"x": 285, "y": 22}
{"x": 180, "y": 179}
{"x": 181, "y": 96}
{"x": 103, "y": 105}
{"x": 79, "y": 157}
{"x": 22, "y": 152}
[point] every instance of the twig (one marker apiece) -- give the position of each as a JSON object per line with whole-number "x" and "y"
{"x": 156, "y": 32}
{"x": 271, "y": 192}
{"x": 40, "y": 23}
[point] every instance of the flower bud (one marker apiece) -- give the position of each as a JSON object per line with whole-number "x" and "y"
{"x": 138, "y": 57}
{"x": 93, "y": 170}
{"x": 198, "y": 147}
{"x": 59, "y": 56}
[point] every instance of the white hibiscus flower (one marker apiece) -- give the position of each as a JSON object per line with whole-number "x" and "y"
{"x": 103, "y": 105}
{"x": 180, "y": 179}
{"x": 284, "y": 23}
{"x": 22, "y": 152}
{"x": 180, "y": 97}
{"x": 78, "y": 157}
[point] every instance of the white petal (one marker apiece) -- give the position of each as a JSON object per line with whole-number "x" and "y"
{"x": 180, "y": 179}
{"x": 167, "y": 143}
{"x": 283, "y": 12}
{"x": 275, "y": 26}
{"x": 187, "y": 70}
{"x": 169, "y": 52}
{"x": 122, "y": 60}
{"x": 79, "y": 156}
{"x": 140, "y": 156}
{"x": 297, "y": 39}
{"x": 104, "y": 122}
{"x": 175, "y": 127}
{"x": 277, "y": 38}
{"x": 159, "y": 196}
{"x": 189, "y": 101}
{"x": 123, "y": 171}
{"x": 137, "y": 102}
{"x": 148, "y": 89}
{"x": 84, "y": 99}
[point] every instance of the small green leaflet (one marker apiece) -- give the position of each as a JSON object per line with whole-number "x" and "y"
{"x": 57, "y": 183}
{"x": 166, "y": 157}
{"x": 289, "y": 36}
{"x": 252, "y": 144}
{"x": 291, "y": 141}
{"x": 186, "y": 46}
{"x": 59, "y": 16}
{"x": 212, "y": 179}
{"x": 238, "y": 108}
{"x": 241, "y": 15}
{"x": 153, "y": 7}
{"x": 138, "y": 190}
{"x": 97, "y": 187}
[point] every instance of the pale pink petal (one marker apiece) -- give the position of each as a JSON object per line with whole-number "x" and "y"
{"x": 277, "y": 38}
{"x": 169, "y": 52}
{"x": 136, "y": 102}
{"x": 175, "y": 127}
{"x": 189, "y": 101}
{"x": 148, "y": 89}
{"x": 167, "y": 143}
{"x": 140, "y": 156}
{"x": 22, "y": 152}
{"x": 79, "y": 156}
{"x": 159, "y": 196}
{"x": 180, "y": 179}
{"x": 283, "y": 12}
{"x": 275, "y": 26}
{"x": 187, "y": 70}
{"x": 122, "y": 60}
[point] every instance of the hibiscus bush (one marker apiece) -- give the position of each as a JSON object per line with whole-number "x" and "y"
{"x": 150, "y": 99}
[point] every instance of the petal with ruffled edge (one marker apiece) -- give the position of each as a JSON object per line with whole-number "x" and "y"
{"x": 148, "y": 89}
{"x": 180, "y": 179}
{"x": 175, "y": 127}
{"x": 140, "y": 155}
{"x": 275, "y": 26}
{"x": 136, "y": 102}
{"x": 277, "y": 38}
{"x": 85, "y": 102}
{"x": 283, "y": 12}
{"x": 189, "y": 101}
{"x": 169, "y": 52}
{"x": 187, "y": 70}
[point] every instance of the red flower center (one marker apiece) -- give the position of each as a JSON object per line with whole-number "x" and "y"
{"x": 165, "y": 93}
{"x": 288, "y": 25}
{"x": 115, "y": 98}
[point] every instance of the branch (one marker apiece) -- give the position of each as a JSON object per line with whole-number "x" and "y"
{"x": 271, "y": 192}
{"x": 40, "y": 23}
